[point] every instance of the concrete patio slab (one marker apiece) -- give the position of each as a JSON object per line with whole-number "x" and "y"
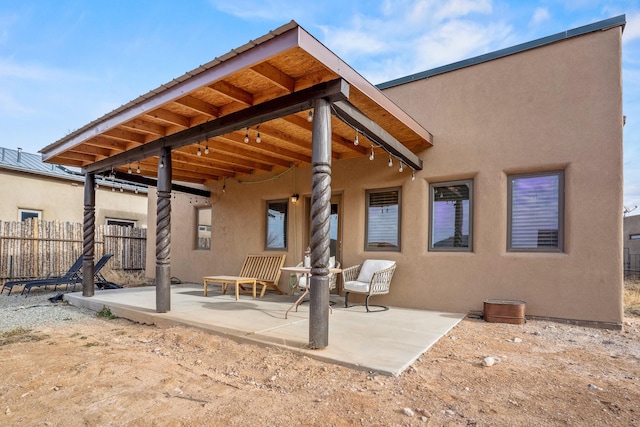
{"x": 386, "y": 342}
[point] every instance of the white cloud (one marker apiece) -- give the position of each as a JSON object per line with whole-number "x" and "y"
{"x": 540, "y": 15}
{"x": 11, "y": 69}
{"x": 457, "y": 40}
{"x": 632, "y": 29}
{"x": 12, "y": 107}
{"x": 271, "y": 10}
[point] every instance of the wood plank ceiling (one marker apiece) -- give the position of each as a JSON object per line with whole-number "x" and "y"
{"x": 284, "y": 61}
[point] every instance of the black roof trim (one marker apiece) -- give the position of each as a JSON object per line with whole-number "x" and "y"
{"x": 590, "y": 28}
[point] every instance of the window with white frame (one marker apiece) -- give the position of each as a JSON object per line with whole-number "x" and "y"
{"x": 24, "y": 214}
{"x": 382, "y": 223}
{"x": 203, "y": 232}
{"x": 277, "y": 220}
{"x": 535, "y": 217}
{"x": 451, "y": 216}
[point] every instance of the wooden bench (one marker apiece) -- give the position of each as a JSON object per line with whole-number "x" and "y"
{"x": 265, "y": 269}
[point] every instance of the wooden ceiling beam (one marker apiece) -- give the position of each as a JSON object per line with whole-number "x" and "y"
{"x": 275, "y": 75}
{"x": 232, "y": 147}
{"x": 170, "y": 117}
{"x": 348, "y": 113}
{"x": 198, "y": 105}
{"x": 115, "y": 145}
{"x": 98, "y": 152}
{"x": 146, "y": 127}
{"x": 125, "y": 135}
{"x": 306, "y": 125}
{"x": 269, "y": 148}
{"x": 219, "y": 156}
{"x": 207, "y": 162}
{"x": 250, "y": 116}
{"x": 233, "y": 92}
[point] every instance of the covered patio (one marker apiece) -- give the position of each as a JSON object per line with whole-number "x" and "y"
{"x": 282, "y": 101}
{"x": 387, "y": 346}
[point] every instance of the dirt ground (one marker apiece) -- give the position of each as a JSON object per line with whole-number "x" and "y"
{"x": 111, "y": 372}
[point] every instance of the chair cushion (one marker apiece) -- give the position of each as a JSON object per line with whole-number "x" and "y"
{"x": 371, "y": 266}
{"x": 356, "y": 286}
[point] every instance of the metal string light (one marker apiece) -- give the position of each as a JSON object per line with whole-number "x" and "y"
{"x": 372, "y": 155}
{"x": 199, "y": 153}
{"x": 138, "y": 169}
{"x": 206, "y": 149}
{"x": 310, "y": 116}
{"x": 355, "y": 141}
{"x": 246, "y": 136}
{"x": 390, "y": 162}
{"x": 129, "y": 170}
{"x": 258, "y": 139}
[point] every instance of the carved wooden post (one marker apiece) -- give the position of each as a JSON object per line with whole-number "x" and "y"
{"x": 163, "y": 233}
{"x": 88, "y": 235}
{"x": 320, "y": 212}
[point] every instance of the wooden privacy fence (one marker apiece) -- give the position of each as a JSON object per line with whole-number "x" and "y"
{"x": 36, "y": 248}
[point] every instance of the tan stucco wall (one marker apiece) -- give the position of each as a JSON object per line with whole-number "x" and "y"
{"x": 556, "y": 107}
{"x": 63, "y": 200}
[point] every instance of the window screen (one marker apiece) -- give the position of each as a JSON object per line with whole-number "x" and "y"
{"x": 536, "y": 212}
{"x": 383, "y": 220}
{"x": 277, "y": 213}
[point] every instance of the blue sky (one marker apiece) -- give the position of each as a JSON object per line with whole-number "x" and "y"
{"x": 65, "y": 63}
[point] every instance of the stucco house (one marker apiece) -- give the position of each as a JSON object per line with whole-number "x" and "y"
{"x": 631, "y": 243}
{"x": 495, "y": 177}
{"x": 34, "y": 189}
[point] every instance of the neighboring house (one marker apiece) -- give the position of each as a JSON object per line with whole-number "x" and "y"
{"x": 631, "y": 242}
{"x": 34, "y": 189}
{"x": 514, "y": 192}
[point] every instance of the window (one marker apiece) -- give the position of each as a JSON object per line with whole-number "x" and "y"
{"x": 121, "y": 222}
{"x": 382, "y": 225}
{"x": 24, "y": 214}
{"x": 203, "y": 233}
{"x": 451, "y": 216}
{"x": 277, "y": 219}
{"x": 536, "y": 212}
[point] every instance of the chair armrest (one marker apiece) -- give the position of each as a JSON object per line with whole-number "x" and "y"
{"x": 381, "y": 281}
{"x": 351, "y": 273}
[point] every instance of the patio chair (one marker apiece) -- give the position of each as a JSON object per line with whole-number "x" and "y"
{"x": 373, "y": 277}
{"x": 72, "y": 281}
{"x": 72, "y": 276}
{"x": 100, "y": 281}
{"x": 301, "y": 279}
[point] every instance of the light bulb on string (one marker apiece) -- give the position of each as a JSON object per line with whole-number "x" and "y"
{"x": 129, "y": 170}
{"x": 258, "y": 139}
{"x": 413, "y": 175}
{"x": 121, "y": 189}
{"x": 206, "y": 149}
{"x": 136, "y": 190}
{"x": 372, "y": 155}
{"x": 401, "y": 168}
{"x": 199, "y": 153}
{"x": 246, "y": 136}
{"x": 138, "y": 169}
{"x": 310, "y": 116}
{"x": 162, "y": 164}
{"x": 390, "y": 162}
{"x": 355, "y": 141}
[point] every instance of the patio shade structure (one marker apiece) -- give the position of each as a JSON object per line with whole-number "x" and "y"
{"x": 244, "y": 113}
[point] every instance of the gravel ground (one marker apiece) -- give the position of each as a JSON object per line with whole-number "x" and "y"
{"x": 18, "y": 311}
